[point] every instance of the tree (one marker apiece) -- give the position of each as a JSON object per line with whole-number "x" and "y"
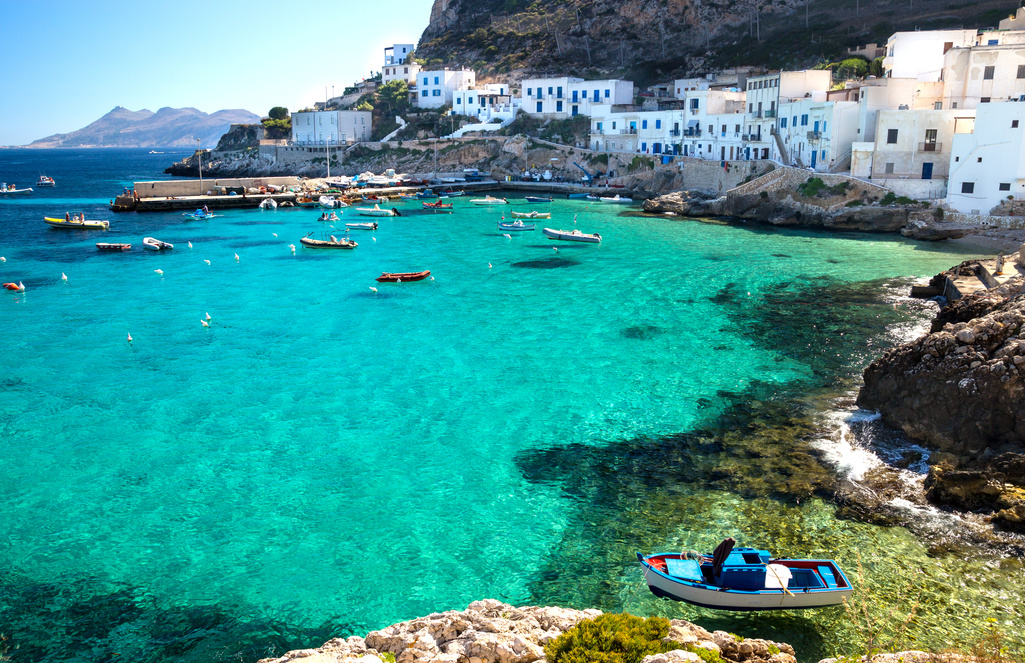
{"x": 364, "y": 106}
{"x": 393, "y": 97}
{"x": 278, "y": 113}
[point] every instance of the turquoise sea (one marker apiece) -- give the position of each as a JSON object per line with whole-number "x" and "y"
{"x": 324, "y": 459}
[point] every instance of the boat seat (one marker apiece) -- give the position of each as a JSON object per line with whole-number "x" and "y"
{"x": 827, "y": 576}
{"x": 687, "y": 569}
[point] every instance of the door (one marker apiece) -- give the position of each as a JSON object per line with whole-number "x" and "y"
{"x": 927, "y": 171}
{"x": 814, "y": 153}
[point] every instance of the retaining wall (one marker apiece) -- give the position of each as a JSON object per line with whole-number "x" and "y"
{"x": 178, "y": 188}
{"x": 713, "y": 177}
{"x": 917, "y": 189}
{"x": 985, "y": 220}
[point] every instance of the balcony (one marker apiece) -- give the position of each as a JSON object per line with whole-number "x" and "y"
{"x": 751, "y": 138}
{"x": 692, "y": 133}
{"x": 814, "y": 135}
{"x": 674, "y": 132}
{"x": 694, "y": 111}
{"x": 769, "y": 114}
{"x": 930, "y": 147}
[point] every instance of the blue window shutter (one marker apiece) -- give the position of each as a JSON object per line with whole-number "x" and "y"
{"x": 644, "y": 124}
{"x": 658, "y": 124}
{"x": 539, "y": 107}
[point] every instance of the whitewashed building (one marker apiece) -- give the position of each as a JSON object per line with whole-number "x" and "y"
{"x": 912, "y": 144}
{"x": 919, "y": 55}
{"x": 713, "y": 125}
{"x": 817, "y": 134}
{"x": 332, "y": 127}
{"x": 985, "y": 73}
{"x": 491, "y": 103}
{"x": 987, "y": 163}
{"x": 434, "y": 88}
{"x": 398, "y": 64}
{"x": 567, "y": 97}
{"x": 764, "y": 95}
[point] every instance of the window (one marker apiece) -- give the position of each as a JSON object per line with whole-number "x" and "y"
{"x": 469, "y": 100}
{"x": 987, "y": 73}
{"x": 978, "y": 160}
{"x": 529, "y": 90}
{"x": 613, "y": 125}
{"x": 984, "y": 100}
{"x": 938, "y": 105}
{"x": 435, "y": 80}
{"x": 576, "y": 94}
{"x": 539, "y": 106}
{"x": 658, "y": 124}
{"x": 405, "y": 70}
{"x": 435, "y": 93}
{"x": 423, "y": 93}
{"x": 1014, "y": 124}
{"x": 425, "y": 80}
{"x": 644, "y": 124}
{"x": 549, "y": 91}
{"x": 782, "y": 123}
{"x": 558, "y": 92}
{"x": 694, "y": 104}
{"x": 750, "y": 107}
{"x": 824, "y": 125}
{"x": 823, "y": 157}
{"x": 644, "y": 147}
{"x": 967, "y": 187}
{"x": 1005, "y": 186}
{"x": 736, "y": 128}
{"x": 724, "y": 130}
{"x": 575, "y": 110}
{"x": 804, "y": 120}
{"x": 558, "y": 106}
{"x": 794, "y": 123}
{"x": 606, "y": 94}
{"x": 891, "y": 136}
{"x": 1021, "y": 71}
{"x": 889, "y": 169}
{"x": 992, "y": 42}
{"x": 597, "y": 96}
{"x": 953, "y": 104}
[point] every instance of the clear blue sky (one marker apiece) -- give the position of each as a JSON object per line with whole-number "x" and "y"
{"x": 68, "y": 62}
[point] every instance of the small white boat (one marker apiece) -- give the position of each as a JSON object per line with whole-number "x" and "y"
{"x": 361, "y": 226}
{"x": 154, "y": 244}
{"x": 76, "y": 222}
{"x": 375, "y": 211}
{"x": 329, "y": 217}
{"x": 615, "y": 199}
{"x": 572, "y": 235}
{"x": 488, "y": 200}
{"x": 45, "y": 181}
{"x": 10, "y": 190}
{"x": 331, "y": 201}
{"x": 331, "y": 243}
{"x": 268, "y": 203}
{"x": 516, "y": 226}
{"x": 532, "y": 215}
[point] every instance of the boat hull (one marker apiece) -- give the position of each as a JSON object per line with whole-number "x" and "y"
{"x": 15, "y": 192}
{"x": 104, "y": 246}
{"x": 363, "y": 211}
{"x": 396, "y": 277}
{"x": 531, "y": 215}
{"x": 361, "y": 226}
{"x": 72, "y": 225}
{"x": 516, "y": 228}
{"x": 572, "y": 236}
{"x": 324, "y": 244}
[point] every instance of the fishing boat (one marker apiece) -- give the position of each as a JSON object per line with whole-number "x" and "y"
{"x": 45, "y": 181}
{"x": 11, "y": 190}
{"x": 77, "y": 222}
{"x": 427, "y": 193}
{"x": 408, "y": 196}
{"x": 452, "y": 194}
{"x": 572, "y": 235}
{"x": 398, "y": 277}
{"x": 361, "y": 226}
{"x": 488, "y": 200}
{"x": 112, "y": 246}
{"x": 332, "y": 243}
{"x": 615, "y": 199}
{"x": 376, "y": 211}
{"x": 154, "y": 244}
{"x": 745, "y": 579}
{"x": 531, "y": 215}
{"x": 516, "y": 226}
{"x": 268, "y": 203}
{"x": 538, "y": 199}
{"x": 437, "y": 205}
{"x": 303, "y": 201}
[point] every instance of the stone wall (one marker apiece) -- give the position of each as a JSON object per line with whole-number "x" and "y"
{"x": 788, "y": 178}
{"x": 713, "y": 178}
{"x": 175, "y": 188}
{"x": 916, "y": 189}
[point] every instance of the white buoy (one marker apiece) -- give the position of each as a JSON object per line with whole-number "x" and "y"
{"x": 205, "y": 323}
{"x": 292, "y": 246}
{"x": 3, "y": 259}
{"x": 64, "y": 277}
{"x": 555, "y": 248}
{"x": 207, "y": 316}
{"x": 489, "y": 265}
{"x": 432, "y": 278}
{"x": 236, "y": 257}
{"x": 159, "y": 271}
{"x": 373, "y": 289}
{"x": 507, "y": 235}
{"x": 374, "y": 238}
{"x": 207, "y": 261}
{"x": 21, "y": 287}
{"x": 190, "y": 245}
{"x": 129, "y": 338}
{"x": 275, "y": 234}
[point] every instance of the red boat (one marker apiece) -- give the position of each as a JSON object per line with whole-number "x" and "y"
{"x": 396, "y": 277}
{"x": 437, "y": 205}
{"x": 106, "y": 246}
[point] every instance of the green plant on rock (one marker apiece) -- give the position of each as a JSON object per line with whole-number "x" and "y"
{"x": 904, "y": 200}
{"x": 387, "y": 657}
{"x": 888, "y": 199}
{"x": 639, "y": 163}
{"x": 880, "y": 629}
{"x": 854, "y": 203}
{"x": 612, "y": 638}
{"x": 811, "y": 187}
{"x": 706, "y": 655}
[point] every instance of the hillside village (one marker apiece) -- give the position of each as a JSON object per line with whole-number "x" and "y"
{"x": 942, "y": 123}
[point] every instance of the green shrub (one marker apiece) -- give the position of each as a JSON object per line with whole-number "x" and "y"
{"x": 706, "y": 655}
{"x": 840, "y": 189}
{"x": 904, "y": 200}
{"x": 640, "y": 163}
{"x": 812, "y": 187}
{"x": 854, "y": 203}
{"x": 612, "y": 638}
{"x": 763, "y": 194}
{"x": 889, "y": 198}
{"x": 599, "y": 158}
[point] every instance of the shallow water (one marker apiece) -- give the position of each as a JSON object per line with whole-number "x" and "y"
{"x": 325, "y": 459}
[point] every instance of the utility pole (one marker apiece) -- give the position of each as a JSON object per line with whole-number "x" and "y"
{"x": 199, "y": 155}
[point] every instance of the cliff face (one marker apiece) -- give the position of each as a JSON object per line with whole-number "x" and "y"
{"x": 651, "y": 40}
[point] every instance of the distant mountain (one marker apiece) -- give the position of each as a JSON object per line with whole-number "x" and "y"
{"x": 168, "y": 127}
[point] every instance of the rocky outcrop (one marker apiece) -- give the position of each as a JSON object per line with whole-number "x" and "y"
{"x": 490, "y": 631}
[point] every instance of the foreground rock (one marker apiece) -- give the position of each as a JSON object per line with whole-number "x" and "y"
{"x": 490, "y": 631}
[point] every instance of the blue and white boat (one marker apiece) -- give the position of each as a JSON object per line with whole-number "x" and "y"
{"x": 516, "y": 226}
{"x": 745, "y": 579}
{"x": 199, "y": 214}
{"x": 538, "y": 199}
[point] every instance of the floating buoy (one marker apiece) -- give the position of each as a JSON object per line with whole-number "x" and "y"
{"x": 489, "y": 265}
{"x": 159, "y": 271}
{"x": 205, "y": 323}
{"x": 432, "y": 278}
{"x": 275, "y": 234}
{"x": 129, "y": 338}
{"x": 3, "y": 259}
{"x": 292, "y": 246}
{"x": 374, "y": 238}
{"x": 190, "y": 245}
{"x": 207, "y": 261}
{"x": 507, "y": 235}
{"x": 373, "y": 289}
{"x": 555, "y": 248}
{"x": 236, "y": 257}
{"x": 64, "y": 277}
{"x": 207, "y": 316}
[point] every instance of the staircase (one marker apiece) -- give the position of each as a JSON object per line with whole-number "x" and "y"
{"x": 782, "y": 149}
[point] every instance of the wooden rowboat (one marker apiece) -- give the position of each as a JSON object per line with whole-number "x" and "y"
{"x": 112, "y": 246}
{"x": 397, "y": 277}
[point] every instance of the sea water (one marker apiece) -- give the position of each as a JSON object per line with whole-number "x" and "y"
{"x": 331, "y": 455}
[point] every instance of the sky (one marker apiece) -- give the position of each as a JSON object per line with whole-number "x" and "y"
{"x": 66, "y": 63}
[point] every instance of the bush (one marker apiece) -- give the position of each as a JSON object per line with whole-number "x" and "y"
{"x": 611, "y": 638}
{"x": 640, "y": 163}
{"x": 889, "y": 198}
{"x": 812, "y": 187}
{"x": 854, "y": 203}
{"x": 904, "y": 200}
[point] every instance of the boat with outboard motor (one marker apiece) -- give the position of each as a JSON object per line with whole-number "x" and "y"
{"x": 332, "y": 243}
{"x": 572, "y": 235}
{"x": 11, "y": 190}
{"x": 516, "y": 226}
{"x": 376, "y": 210}
{"x": 531, "y": 215}
{"x": 154, "y": 244}
{"x": 399, "y": 277}
{"x": 45, "y": 181}
{"x": 361, "y": 226}
{"x": 538, "y": 199}
{"x": 489, "y": 200}
{"x": 745, "y": 579}
{"x": 76, "y": 221}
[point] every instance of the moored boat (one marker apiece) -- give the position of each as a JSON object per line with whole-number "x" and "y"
{"x": 398, "y": 277}
{"x": 45, "y": 181}
{"x": 572, "y": 235}
{"x": 76, "y": 222}
{"x": 154, "y": 244}
{"x": 113, "y": 246}
{"x": 376, "y": 210}
{"x": 11, "y": 190}
{"x": 615, "y": 199}
{"x": 268, "y": 203}
{"x": 538, "y": 199}
{"x": 332, "y": 243}
{"x": 427, "y": 193}
{"x": 437, "y": 205}
{"x": 531, "y": 215}
{"x": 303, "y": 201}
{"x": 516, "y": 226}
{"x": 361, "y": 226}
{"x": 489, "y": 200}
{"x": 745, "y": 579}
{"x": 578, "y": 195}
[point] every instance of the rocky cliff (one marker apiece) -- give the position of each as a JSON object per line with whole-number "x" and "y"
{"x": 168, "y": 127}
{"x": 649, "y": 40}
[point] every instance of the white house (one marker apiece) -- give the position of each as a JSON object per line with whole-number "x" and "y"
{"x": 646, "y": 132}
{"x": 332, "y": 127}
{"x": 434, "y": 88}
{"x": 765, "y": 93}
{"x": 681, "y": 86}
{"x": 987, "y": 163}
{"x": 567, "y": 97}
{"x": 398, "y": 64}
{"x": 915, "y": 144}
{"x": 981, "y": 74}
{"x": 817, "y": 134}
{"x": 713, "y": 122}
{"x": 920, "y": 55}
{"x": 491, "y": 103}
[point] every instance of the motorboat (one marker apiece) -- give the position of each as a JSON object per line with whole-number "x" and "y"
{"x": 268, "y": 203}
{"x": 489, "y": 200}
{"x": 77, "y": 222}
{"x": 331, "y": 201}
{"x": 199, "y": 214}
{"x": 11, "y": 190}
{"x": 572, "y": 235}
{"x": 516, "y": 226}
{"x": 376, "y": 211}
{"x": 437, "y": 205}
{"x": 399, "y": 277}
{"x": 452, "y": 194}
{"x": 615, "y": 199}
{"x": 745, "y": 579}
{"x": 45, "y": 181}
{"x": 113, "y": 246}
{"x": 329, "y": 217}
{"x": 361, "y": 226}
{"x": 154, "y": 244}
{"x": 427, "y": 193}
{"x": 538, "y": 199}
{"x": 303, "y": 201}
{"x": 531, "y": 215}
{"x": 578, "y": 195}
{"x": 332, "y": 243}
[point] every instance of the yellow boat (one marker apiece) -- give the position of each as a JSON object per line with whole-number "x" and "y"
{"x": 83, "y": 224}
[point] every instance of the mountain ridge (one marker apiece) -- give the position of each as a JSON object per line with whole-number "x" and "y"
{"x": 167, "y": 127}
